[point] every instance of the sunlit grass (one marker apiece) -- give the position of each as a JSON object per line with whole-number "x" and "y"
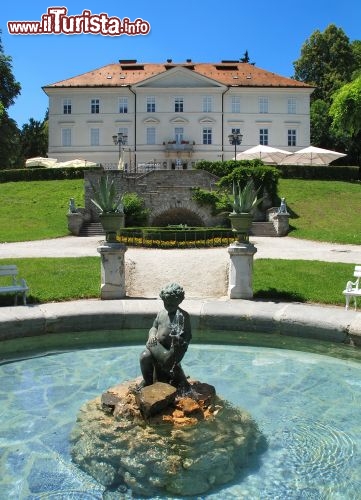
{"x": 37, "y": 210}
{"x": 323, "y": 210}
{"x": 57, "y": 280}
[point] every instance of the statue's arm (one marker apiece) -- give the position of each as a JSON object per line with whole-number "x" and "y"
{"x": 179, "y": 348}
{"x": 152, "y": 336}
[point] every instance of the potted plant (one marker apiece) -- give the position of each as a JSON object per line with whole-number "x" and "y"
{"x": 244, "y": 201}
{"x": 110, "y": 206}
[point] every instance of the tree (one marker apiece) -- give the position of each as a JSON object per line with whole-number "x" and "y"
{"x": 346, "y": 108}
{"x": 321, "y": 122}
{"x": 9, "y": 133}
{"x": 9, "y": 87}
{"x": 327, "y": 61}
{"x": 34, "y": 139}
{"x": 10, "y": 144}
{"x": 345, "y": 111}
{"x": 356, "y": 49}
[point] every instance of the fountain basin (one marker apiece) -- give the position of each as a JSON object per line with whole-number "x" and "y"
{"x": 237, "y": 315}
{"x": 306, "y": 406}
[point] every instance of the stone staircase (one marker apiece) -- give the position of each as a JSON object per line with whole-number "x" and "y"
{"x": 92, "y": 229}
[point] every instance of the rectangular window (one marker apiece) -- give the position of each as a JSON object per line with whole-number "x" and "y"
{"x": 236, "y": 104}
{"x": 67, "y": 106}
{"x": 291, "y": 137}
{"x": 178, "y": 134}
{"x": 207, "y": 136}
{"x": 151, "y": 135}
{"x": 207, "y": 104}
{"x": 95, "y": 106}
{"x": 66, "y": 137}
{"x": 263, "y": 136}
{"x": 291, "y": 105}
{"x": 124, "y": 136}
{"x": 178, "y": 104}
{"x": 263, "y": 104}
{"x": 123, "y": 104}
{"x": 150, "y": 104}
{"x": 94, "y": 137}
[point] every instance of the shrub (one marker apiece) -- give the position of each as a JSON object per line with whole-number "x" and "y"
{"x": 265, "y": 179}
{"x": 43, "y": 174}
{"x": 320, "y": 172}
{"x": 135, "y": 212}
{"x": 223, "y": 168}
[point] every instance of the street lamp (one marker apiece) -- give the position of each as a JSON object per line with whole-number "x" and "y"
{"x": 236, "y": 139}
{"x": 120, "y": 139}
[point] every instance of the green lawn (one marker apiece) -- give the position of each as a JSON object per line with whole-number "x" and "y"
{"x": 37, "y": 210}
{"x": 323, "y": 210}
{"x": 57, "y": 280}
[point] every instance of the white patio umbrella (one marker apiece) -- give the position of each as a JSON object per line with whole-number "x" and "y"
{"x": 312, "y": 156}
{"x": 265, "y": 153}
{"x": 40, "y": 161}
{"x": 78, "y": 162}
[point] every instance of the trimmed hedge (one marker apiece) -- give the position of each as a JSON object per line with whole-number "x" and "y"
{"x": 44, "y": 174}
{"x": 320, "y": 172}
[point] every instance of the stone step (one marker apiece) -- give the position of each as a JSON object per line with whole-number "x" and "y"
{"x": 92, "y": 229}
{"x": 263, "y": 229}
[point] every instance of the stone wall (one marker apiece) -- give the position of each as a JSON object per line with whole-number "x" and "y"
{"x": 162, "y": 191}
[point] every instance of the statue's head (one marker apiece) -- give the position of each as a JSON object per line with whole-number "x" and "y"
{"x": 172, "y": 295}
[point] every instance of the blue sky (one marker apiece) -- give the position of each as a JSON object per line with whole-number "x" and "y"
{"x": 273, "y": 32}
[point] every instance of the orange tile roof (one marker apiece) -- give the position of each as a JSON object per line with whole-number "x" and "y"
{"x": 230, "y": 73}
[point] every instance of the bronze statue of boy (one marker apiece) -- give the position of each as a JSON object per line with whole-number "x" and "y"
{"x": 168, "y": 341}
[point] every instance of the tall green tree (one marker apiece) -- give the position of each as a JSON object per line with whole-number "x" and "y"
{"x": 345, "y": 111}
{"x": 9, "y": 87}
{"x": 9, "y": 133}
{"x": 327, "y": 61}
{"x": 34, "y": 138}
{"x": 356, "y": 49}
{"x": 10, "y": 143}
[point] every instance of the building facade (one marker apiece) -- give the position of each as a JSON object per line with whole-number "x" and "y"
{"x": 144, "y": 116}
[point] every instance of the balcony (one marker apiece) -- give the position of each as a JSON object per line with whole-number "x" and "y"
{"x": 177, "y": 147}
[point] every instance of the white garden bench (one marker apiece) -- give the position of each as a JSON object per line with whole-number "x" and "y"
{"x": 353, "y": 288}
{"x": 17, "y": 286}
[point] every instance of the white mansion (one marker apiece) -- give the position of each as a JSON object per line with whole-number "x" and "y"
{"x": 171, "y": 115}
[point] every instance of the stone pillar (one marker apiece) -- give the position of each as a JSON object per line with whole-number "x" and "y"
{"x": 112, "y": 270}
{"x": 281, "y": 224}
{"x": 75, "y": 222}
{"x": 241, "y": 270}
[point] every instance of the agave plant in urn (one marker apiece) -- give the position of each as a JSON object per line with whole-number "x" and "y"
{"x": 110, "y": 206}
{"x": 244, "y": 201}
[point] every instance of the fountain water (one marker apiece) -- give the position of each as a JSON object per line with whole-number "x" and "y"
{"x": 306, "y": 405}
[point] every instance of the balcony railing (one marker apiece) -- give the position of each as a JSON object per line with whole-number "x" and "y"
{"x": 178, "y": 146}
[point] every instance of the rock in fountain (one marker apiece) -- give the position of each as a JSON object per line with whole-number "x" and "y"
{"x": 165, "y": 433}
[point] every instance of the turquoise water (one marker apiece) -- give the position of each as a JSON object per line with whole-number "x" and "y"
{"x": 307, "y": 406}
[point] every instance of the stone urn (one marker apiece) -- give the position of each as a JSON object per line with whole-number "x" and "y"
{"x": 241, "y": 224}
{"x": 111, "y": 223}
